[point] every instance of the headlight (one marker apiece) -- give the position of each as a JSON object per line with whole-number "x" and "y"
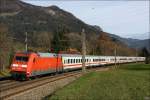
{"x": 15, "y": 65}
{"x": 24, "y": 65}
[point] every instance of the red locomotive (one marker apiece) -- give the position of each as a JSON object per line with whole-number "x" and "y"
{"x": 26, "y": 65}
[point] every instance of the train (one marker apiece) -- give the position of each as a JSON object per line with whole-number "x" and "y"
{"x": 30, "y": 64}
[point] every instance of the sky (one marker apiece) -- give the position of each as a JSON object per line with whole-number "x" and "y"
{"x": 124, "y": 18}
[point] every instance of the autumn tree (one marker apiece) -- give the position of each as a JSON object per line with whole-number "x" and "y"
{"x": 107, "y": 45}
{"x": 5, "y": 47}
{"x": 104, "y": 46}
{"x": 42, "y": 40}
{"x": 74, "y": 41}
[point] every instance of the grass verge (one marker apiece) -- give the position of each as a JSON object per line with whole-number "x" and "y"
{"x": 5, "y": 73}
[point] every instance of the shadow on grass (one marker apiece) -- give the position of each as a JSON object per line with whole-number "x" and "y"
{"x": 137, "y": 68}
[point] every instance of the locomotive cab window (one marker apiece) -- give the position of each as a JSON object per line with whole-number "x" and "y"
{"x": 21, "y": 58}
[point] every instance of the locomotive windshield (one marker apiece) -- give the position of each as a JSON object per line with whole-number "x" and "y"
{"x": 22, "y": 58}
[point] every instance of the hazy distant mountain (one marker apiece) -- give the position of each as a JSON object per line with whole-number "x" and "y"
{"x": 133, "y": 43}
{"x": 141, "y": 36}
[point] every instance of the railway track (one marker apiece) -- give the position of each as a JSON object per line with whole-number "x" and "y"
{"x": 4, "y": 81}
{"x": 23, "y": 86}
{"x": 11, "y": 90}
{"x": 9, "y": 84}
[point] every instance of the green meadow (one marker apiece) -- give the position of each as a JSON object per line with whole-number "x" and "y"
{"x": 127, "y": 82}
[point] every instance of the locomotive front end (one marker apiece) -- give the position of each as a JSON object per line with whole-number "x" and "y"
{"x": 19, "y": 66}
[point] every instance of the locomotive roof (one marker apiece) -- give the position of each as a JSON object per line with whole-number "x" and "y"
{"x": 41, "y": 54}
{"x": 46, "y": 54}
